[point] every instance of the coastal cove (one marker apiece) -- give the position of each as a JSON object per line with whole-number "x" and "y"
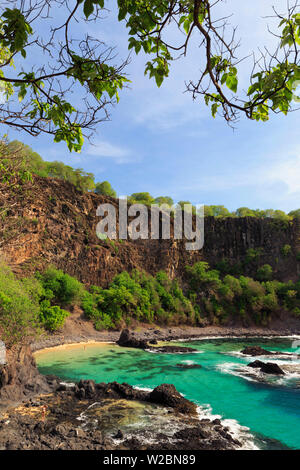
{"x": 261, "y": 411}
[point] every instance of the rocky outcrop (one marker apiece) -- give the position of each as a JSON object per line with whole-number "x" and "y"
{"x": 63, "y": 421}
{"x": 256, "y": 351}
{"x": 267, "y": 367}
{"x": 167, "y": 395}
{"x": 59, "y": 227}
{"x": 128, "y": 340}
{"x": 19, "y": 377}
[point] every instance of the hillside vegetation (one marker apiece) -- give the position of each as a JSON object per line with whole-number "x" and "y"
{"x": 16, "y": 157}
{"x": 247, "y": 272}
{"x": 30, "y": 305}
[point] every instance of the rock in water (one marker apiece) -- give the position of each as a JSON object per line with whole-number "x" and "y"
{"x": 167, "y": 395}
{"x": 256, "y": 351}
{"x": 267, "y": 368}
{"x": 128, "y": 340}
{"x": 256, "y": 364}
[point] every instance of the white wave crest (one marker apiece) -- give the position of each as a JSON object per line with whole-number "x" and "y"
{"x": 238, "y": 432}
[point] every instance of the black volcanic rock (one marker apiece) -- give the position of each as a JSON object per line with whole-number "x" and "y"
{"x": 256, "y": 351}
{"x": 20, "y": 378}
{"x": 167, "y": 395}
{"x": 267, "y": 368}
{"x": 128, "y": 340}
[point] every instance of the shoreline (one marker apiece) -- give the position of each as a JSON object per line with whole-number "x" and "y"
{"x": 161, "y": 334}
{"x": 220, "y": 433}
{"x": 68, "y": 346}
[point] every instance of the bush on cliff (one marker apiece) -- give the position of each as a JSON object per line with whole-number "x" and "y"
{"x": 27, "y": 306}
{"x": 52, "y": 316}
{"x": 64, "y": 289}
{"x": 264, "y": 273}
{"x": 138, "y": 297}
{"x": 235, "y": 296}
{"x": 19, "y": 307}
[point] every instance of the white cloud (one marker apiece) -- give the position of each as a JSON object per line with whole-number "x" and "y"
{"x": 287, "y": 172}
{"x": 105, "y": 149}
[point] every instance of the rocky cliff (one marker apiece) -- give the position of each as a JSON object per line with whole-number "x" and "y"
{"x": 49, "y": 221}
{"x": 19, "y": 376}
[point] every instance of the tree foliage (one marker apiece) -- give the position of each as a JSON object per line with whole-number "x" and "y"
{"x": 42, "y": 97}
{"x": 105, "y": 189}
{"x": 20, "y": 162}
{"x": 39, "y": 98}
{"x": 272, "y": 81}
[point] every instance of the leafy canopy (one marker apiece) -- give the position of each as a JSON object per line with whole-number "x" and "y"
{"x": 74, "y": 80}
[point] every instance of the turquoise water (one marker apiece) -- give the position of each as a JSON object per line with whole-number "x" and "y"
{"x": 269, "y": 406}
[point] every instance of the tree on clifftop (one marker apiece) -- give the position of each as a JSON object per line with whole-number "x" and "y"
{"x": 105, "y": 188}
{"x": 62, "y": 82}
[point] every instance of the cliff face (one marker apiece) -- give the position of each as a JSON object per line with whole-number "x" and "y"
{"x": 19, "y": 377}
{"x": 50, "y": 222}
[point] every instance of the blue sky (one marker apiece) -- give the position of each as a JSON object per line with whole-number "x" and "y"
{"x": 159, "y": 140}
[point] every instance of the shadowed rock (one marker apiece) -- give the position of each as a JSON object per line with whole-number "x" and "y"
{"x": 167, "y": 395}
{"x": 128, "y": 340}
{"x": 267, "y": 368}
{"x": 256, "y": 351}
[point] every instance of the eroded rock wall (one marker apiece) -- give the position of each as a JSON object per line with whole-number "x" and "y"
{"x": 50, "y": 222}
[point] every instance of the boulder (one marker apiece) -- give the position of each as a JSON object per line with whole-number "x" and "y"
{"x": 167, "y": 395}
{"x": 89, "y": 388}
{"x": 267, "y": 368}
{"x": 256, "y": 351}
{"x": 128, "y": 340}
{"x": 153, "y": 341}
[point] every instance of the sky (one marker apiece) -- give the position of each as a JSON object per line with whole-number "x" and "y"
{"x": 159, "y": 140}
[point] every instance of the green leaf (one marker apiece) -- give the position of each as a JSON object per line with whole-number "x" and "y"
{"x": 88, "y": 8}
{"x": 232, "y": 83}
{"x": 159, "y": 78}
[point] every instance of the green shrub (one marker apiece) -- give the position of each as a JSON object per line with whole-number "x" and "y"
{"x": 296, "y": 311}
{"x": 66, "y": 289}
{"x": 52, "y": 317}
{"x": 286, "y": 250}
{"x": 104, "y": 322}
{"x": 253, "y": 255}
{"x": 19, "y": 307}
{"x": 264, "y": 273}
